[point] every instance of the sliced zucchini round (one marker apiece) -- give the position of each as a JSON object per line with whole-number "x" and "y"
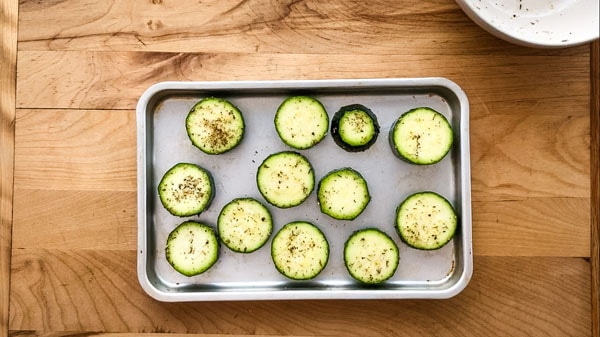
{"x": 421, "y": 136}
{"x": 371, "y": 256}
{"x": 300, "y": 250}
{"x": 186, "y": 189}
{"x": 244, "y": 225}
{"x": 214, "y": 125}
{"x": 354, "y": 128}
{"x": 192, "y": 248}
{"x": 343, "y": 194}
{"x": 285, "y": 179}
{"x": 426, "y": 221}
{"x": 301, "y": 122}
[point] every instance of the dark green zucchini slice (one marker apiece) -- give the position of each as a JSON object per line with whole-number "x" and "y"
{"x": 354, "y": 128}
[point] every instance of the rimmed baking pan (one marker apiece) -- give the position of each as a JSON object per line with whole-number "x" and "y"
{"x": 163, "y": 141}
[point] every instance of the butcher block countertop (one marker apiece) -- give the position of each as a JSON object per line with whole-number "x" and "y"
{"x": 71, "y": 75}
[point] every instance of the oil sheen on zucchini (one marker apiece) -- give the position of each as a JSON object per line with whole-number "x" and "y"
{"x": 354, "y": 128}
{"x": 285, "y": 179}
{"x": 421, "y": 136}
{"x": 214, "y": 125}
{"x": 192, "y": 248}
{"x": 301, "y": 122}
{"x": 426, "y": 221}
{"x": 186, "y": 189}
{"x": 371, "y": 256}
{"x": 244, "y": 225}
{"x": 300, "y": 250}
{"x": 343, "y": 194}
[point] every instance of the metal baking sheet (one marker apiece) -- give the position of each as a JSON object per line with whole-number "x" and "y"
{"x": 163, "y": 142}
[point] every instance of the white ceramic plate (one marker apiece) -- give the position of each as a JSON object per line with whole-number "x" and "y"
{"x": 537, "y": 23}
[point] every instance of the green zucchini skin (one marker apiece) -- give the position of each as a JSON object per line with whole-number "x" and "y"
{"x": 421, "y": 136}
{"x": 244, "y": 225}
{"x": 192, "y": 248}
{"x": 426, "y": 221}
{"x": 301, "y": 122}
{"x": 186, "y": 189}
{"x": 354, "y": 128}
{"x": 285, "y": 179}
{"x": 300, "y": 250}
{"x": 371, "y": 256}
{"x": 215, "y": 126}
{"x": 343, "y": 194}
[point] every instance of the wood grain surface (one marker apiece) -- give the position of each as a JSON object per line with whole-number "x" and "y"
{"x": 8, "y": 68}
{"x": 69, "y": 161}
{"x": 72, "y": 290}
{"x": 595, "y": 183}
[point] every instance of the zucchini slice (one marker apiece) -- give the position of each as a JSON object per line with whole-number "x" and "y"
{"x": 426, "y": 221}
{"x": 421, "y": 136}
{"x": 343, "y": 194}
{"x": 300, "y": 250}
{"x": 186, "y": 189}
{"x": 371, "y": 256}
{"x": 354, "y": 128}
{"x": 192, "y": 248}
{"x": 244, "y": 225}
{"x": 285, "y": 179}
{"x": 214, "y": 125}
{"x": 301, "y": 122}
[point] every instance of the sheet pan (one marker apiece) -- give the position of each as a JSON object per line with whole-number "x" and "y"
{"x": 162, "y": 142}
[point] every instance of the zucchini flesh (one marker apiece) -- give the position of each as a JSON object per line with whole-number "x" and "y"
{"x": 244, "y": 225}
{"x": 426, "y": 221}
{"x": 354, "y": 128}
{"x": 421, "y": 136}
{"x": 301, "y": 122}
{"x": 285, "y": 179}
{"x": 371, "y": 256}
{"x": 186, "y": 189}
{"x": 192, "y": 248}
{"x": 343, "y": 194}
{"x": 214, "y": 125}
{"x": 300, "y": 250}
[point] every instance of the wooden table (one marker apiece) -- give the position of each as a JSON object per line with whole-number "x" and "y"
{"x": 70, "y": 78}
